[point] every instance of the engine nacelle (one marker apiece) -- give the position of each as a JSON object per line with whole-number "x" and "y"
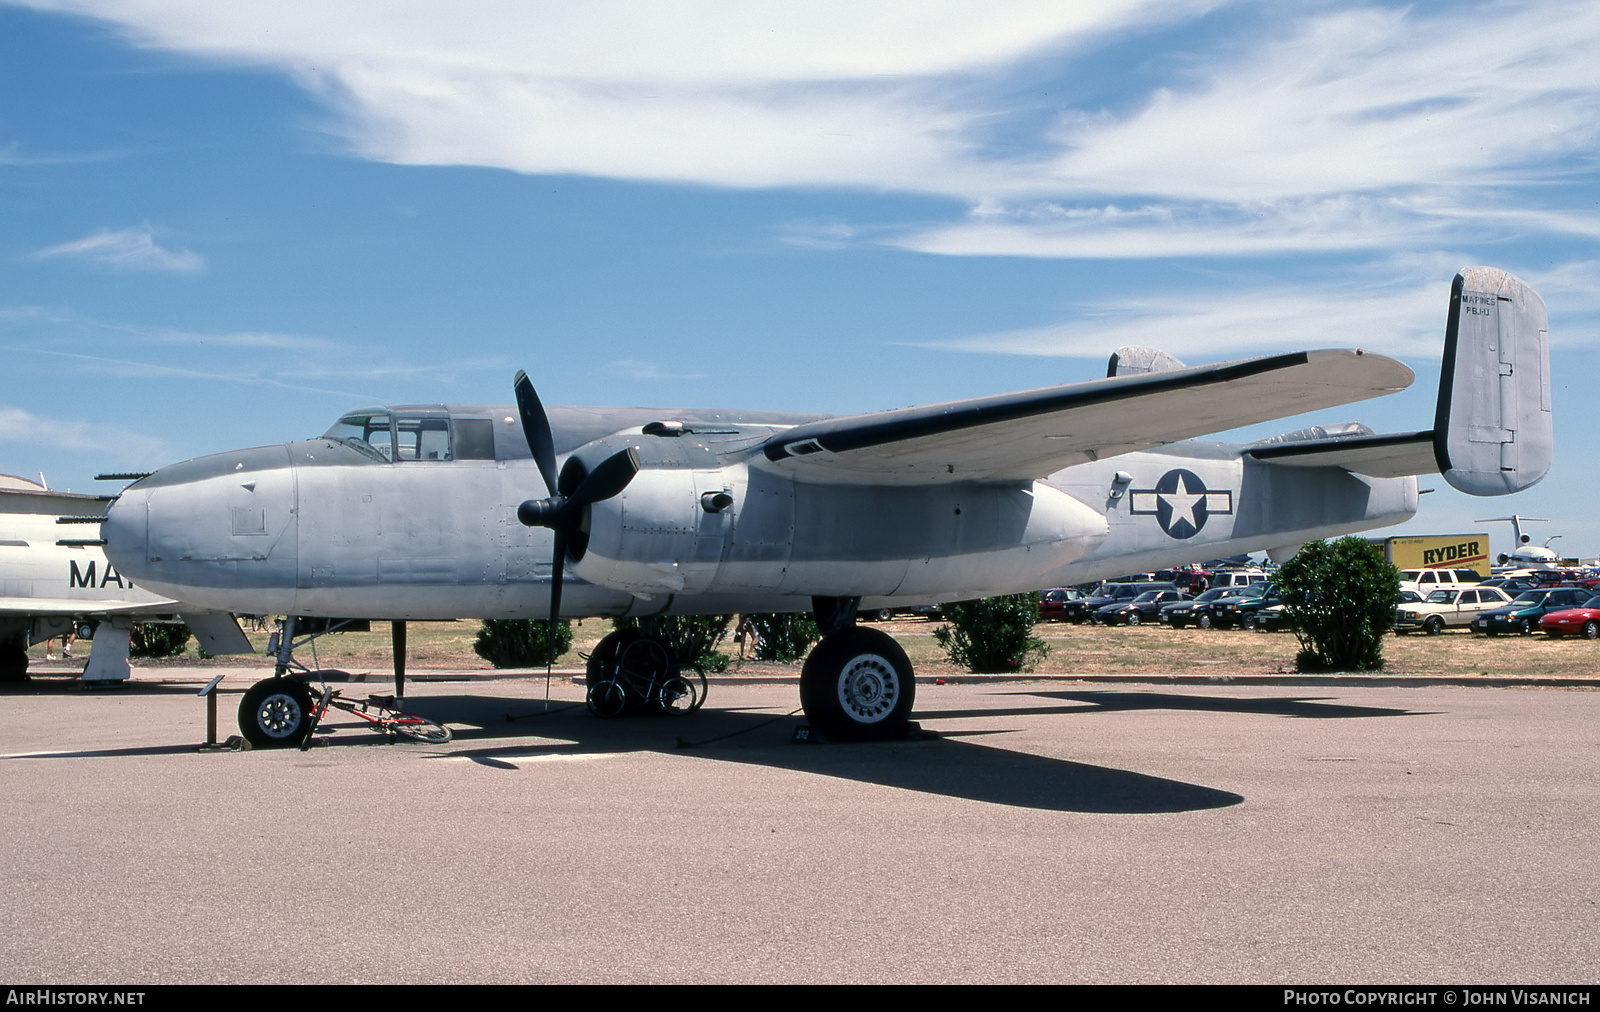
{"x": 664, "y": 533}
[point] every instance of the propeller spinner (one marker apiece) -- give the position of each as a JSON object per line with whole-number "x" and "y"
{"x": 570, "y": 493}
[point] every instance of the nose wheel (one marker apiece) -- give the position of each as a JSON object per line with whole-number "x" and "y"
{"x": 857, "y": 685}
{"x": 275, "y": 713}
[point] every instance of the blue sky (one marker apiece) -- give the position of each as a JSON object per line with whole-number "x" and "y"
{"x": 223, "y": 224}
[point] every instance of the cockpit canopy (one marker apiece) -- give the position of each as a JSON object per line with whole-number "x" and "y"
{"x": 401, "y": 434}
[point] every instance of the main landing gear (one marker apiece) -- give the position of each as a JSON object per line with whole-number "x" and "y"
{"x": 857, "y": 683}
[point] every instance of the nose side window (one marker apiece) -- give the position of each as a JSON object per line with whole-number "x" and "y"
{"x": 474, "y": 439}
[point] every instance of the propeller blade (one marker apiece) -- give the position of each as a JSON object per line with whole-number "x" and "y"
{"x": 608, "y": 479}
{"x": 572, "y": 474}
{"x": 536, "y": 426}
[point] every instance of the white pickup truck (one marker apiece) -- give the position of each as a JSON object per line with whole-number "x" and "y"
{"x": 1426, "y": 581}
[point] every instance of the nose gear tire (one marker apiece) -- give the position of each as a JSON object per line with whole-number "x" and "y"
{"x": 275, "y": 713}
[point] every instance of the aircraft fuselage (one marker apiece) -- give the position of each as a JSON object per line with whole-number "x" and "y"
{"x": 317, "y": 528}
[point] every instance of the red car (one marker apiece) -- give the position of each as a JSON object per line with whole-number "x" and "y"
{"x": 1053, "y": 601}
{"x": 1584, "y": 621}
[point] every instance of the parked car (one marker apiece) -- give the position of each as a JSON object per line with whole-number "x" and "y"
{"x": 1240, "y": 609}
{"x": 1110, "y": 593}
{"x": 1239, "y": 578}
{"x": 1195, "y": 610}
{"x": 927, "y": 611}
{"x": 1052, "y": 602}
{"x": 1583, "y": 620}
{"x": 1144, "y": 608}
{"x": 1448, "y": 607}
{"x": 1272, "y": 618}
{"x": 1512, "y": 585}
{"x": 1526, "y": 612}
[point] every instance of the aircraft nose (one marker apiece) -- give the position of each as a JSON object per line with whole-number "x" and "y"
{"x": 125, "y": 531}
{"x": 198, "y": 530}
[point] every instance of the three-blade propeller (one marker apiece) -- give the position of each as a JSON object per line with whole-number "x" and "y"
{"x": 572, "y": 492}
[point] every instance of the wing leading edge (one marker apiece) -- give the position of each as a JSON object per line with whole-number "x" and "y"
{"x": 1035, "y": 433}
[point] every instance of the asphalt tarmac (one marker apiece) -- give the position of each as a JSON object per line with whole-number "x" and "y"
{"x": 1044, "y": 831}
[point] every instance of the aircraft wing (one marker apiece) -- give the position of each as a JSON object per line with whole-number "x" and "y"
{"x": 69, "y": 606}
{"x": 1035, "y": 433}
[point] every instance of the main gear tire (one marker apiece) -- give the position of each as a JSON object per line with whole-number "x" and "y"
{"x": 857, "y": 685}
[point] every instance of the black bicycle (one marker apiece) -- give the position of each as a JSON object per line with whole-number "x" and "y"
{"x": 642, "y": 675}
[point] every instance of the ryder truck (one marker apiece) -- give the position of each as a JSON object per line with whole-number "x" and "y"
{"x": 1438, "y": 551}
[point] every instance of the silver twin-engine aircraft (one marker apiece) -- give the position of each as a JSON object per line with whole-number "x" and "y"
{"x": 433, "y": 512}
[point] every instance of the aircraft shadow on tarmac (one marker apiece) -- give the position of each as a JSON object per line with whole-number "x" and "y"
{"x": 1092, "y": 701}
{"x": 931, "y": 764}
{"x": 494, "y": 733}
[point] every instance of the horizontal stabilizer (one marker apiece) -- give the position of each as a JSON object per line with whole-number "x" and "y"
{"x": 1134, "y": 361}
{"x": 1389, "y": 455}
{"x": 1493, "y": 433}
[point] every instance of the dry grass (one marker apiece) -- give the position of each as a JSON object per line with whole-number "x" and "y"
{"x": 1073, "y": 650}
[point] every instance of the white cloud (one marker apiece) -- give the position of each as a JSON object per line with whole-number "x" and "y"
{"x": 1359, "y": 101}
{"x": 1113, "y": 232}
{"x": 1362, "y": 128}
{"x": 265, "y": 340}
{"x": 819, "y": 235}
{"x": 694, "y": 42}
{"x": 260, "y": 358}
{"x": 128, "y": 249}
{"x": 21, "y": 427}
{"x": 1200, "y": 327}
{"x": 724, "y": 92}
{"x": 634, "y": 368}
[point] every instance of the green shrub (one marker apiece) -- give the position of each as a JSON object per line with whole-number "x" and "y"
{"x": 1341, "y": 596}
{"x": 784, "y": 637}
{"x": 157, "y": 640}
{"x": 690, "y": 637}
{"x": 993, "y": 636}
{"x": 522, "y": 642}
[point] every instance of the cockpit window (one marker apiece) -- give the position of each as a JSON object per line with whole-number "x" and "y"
{"x": 399, "y": 436}
{"x": 366, "y": 431}
{"x": 422, "y": 437}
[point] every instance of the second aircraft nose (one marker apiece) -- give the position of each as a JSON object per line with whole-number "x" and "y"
{"x": 125, "y": 532}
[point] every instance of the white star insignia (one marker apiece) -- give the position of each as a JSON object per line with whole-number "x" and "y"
{"x": 1182, "y": 503}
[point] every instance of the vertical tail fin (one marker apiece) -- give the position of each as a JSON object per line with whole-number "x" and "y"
{"x": 1492, "y": 434}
